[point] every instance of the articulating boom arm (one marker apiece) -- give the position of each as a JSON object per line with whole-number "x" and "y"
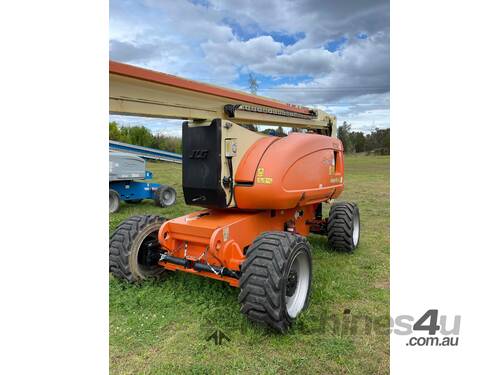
{"x": 141, "y": 92}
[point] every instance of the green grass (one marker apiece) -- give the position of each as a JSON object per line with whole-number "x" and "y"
{"x": 160, "y": 327}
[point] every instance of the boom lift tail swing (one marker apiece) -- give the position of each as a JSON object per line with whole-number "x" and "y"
{"x": 261, "y": 195}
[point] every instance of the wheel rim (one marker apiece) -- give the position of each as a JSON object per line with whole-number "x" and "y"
{"x": 168, "y": 197}
{"x": 297, "y": 285}
{"x": 113, "y": 202}
{"x": 142, "y": 260}
{"x": 355, "y": 231}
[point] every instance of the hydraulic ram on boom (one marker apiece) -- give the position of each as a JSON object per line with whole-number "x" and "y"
{"x": 262, "y": 195}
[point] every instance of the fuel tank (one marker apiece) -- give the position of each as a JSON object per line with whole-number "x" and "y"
{"x": 288, "y": 172}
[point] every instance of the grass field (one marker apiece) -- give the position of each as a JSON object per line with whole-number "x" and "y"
{"x": 161, "y": 327}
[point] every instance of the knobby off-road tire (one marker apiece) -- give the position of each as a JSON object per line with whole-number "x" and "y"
{"x": 114, "y": 201}
{"x": 344, "y": 227}
{"x": 127, "y": 246}
{"x": 269, "y": 295}
{"x": 165, "y": 196}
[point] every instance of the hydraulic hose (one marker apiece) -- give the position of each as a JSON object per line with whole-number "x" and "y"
{"x": 231, "y": 183}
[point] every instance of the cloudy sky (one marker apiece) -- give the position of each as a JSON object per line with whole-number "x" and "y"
{"x": 328, "y": 54}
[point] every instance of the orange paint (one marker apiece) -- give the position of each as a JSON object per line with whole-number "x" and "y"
{"x": 222, "y": 236}
{"x": 296, "y": 170}
{"x": 279, "y": 184}
{"x": 250, "y": 161}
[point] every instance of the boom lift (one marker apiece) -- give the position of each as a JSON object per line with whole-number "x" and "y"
{"x": 262, "y": 195}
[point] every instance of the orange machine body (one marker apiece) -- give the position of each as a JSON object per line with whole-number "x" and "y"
{"x": 279, "y": 185}
{"x": 293, "y": 171}
{"x": 220, "y": 237}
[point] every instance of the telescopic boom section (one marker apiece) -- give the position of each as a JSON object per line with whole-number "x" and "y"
{"x": 142, "y": 92}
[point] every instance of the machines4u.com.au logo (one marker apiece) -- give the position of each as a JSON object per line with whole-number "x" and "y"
{"x": 431, "y": 329}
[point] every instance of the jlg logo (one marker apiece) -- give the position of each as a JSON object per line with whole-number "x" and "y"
{"x": 198, "y": 154}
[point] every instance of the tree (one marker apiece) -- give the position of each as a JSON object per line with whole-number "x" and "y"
{"x": 343, "y": 134}
{"x": 114, "y": 132}
{"x": 142, "y": 136}
{"x": 377, "y": 142}
{"x": 358, "y": 141}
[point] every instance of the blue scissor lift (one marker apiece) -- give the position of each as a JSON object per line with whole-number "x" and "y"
{"x": 125, "y": 170}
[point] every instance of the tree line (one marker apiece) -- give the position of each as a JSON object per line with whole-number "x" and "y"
{"x": 142, "y": 136}
{"x": 377, "y": 142}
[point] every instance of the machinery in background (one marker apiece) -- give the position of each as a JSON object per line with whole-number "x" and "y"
{"x": 145, "y": 152}
{"x": 124, "y": 171}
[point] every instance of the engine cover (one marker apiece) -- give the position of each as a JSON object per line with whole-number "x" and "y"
{"x": 296, "y": 170}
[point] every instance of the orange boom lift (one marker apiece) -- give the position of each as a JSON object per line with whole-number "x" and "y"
{"x": 262, "y": 195}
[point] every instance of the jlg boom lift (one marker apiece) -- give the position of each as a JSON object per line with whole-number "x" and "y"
{"x": 262, "y": 195}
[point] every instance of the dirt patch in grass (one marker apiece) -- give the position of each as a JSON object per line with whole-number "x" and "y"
{"x": 382, "y": 284}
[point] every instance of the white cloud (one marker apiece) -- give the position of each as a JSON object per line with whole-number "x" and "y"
{"x": 226, "y": 58}
{"x": 305, "y": 61}
{"x": 366, "y": 121}
{"x": 196, "y": 41}
{"x": 127, "y": 51}
{"x": 320, "y": 20}
{"x": 243, "y": 52}
{"x": 359, "y": 69}
{"x": 191, "y": 21}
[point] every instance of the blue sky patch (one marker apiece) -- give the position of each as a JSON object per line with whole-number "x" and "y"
{"x": 204, "y": 3}
{"x": 266, "y": 82}
{"x": 335, "y": 45}
{"x": 287, "y": 39}
{"x": 243, "y": 33}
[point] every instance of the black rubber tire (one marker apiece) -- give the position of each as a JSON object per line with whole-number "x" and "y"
{"x": 114, "y": 201}
{"x": 165, "y": 196}
{"x": 133, "y": 201}
{"x": 341, "y": 227}
{"x": 264, "y": 278}
{"x": 125, "y": 245}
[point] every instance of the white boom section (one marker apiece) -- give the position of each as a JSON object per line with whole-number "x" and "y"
{"x": 141, "y": 92}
